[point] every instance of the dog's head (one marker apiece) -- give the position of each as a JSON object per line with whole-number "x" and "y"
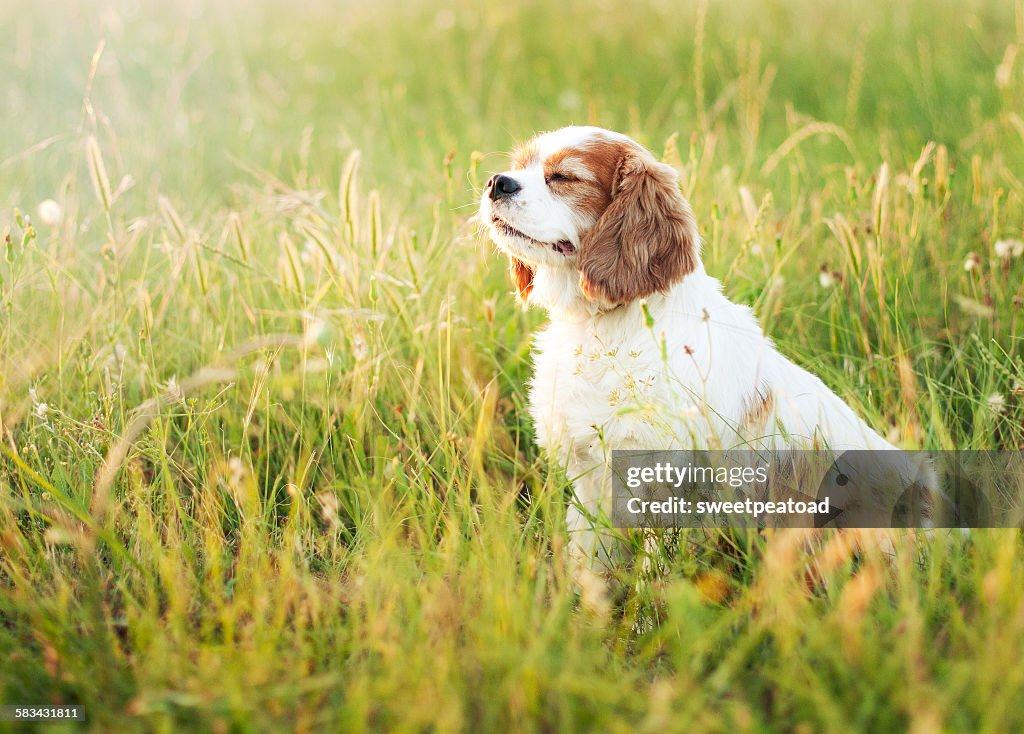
{"x": 593, "y": 202}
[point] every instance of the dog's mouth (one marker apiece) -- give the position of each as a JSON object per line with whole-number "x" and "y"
{"x": 562, "y": 247}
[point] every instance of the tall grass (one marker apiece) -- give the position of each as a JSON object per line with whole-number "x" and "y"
{"x": 264, "y": 462}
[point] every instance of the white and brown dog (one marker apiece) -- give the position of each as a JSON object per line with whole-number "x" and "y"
{"x": 643, "y": 350}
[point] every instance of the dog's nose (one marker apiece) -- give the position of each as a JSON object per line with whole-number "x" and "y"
{"x": 502, "y": 187}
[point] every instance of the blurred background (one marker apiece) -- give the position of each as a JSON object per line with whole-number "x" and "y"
{"x": 181, "y": 90}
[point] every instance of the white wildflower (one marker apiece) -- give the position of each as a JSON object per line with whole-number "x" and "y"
{"x": 1009, "y": 248}
{"x": 996, "y": 403}
{"x": 41, "y": 410}
{"x": 972, "y": 261}
{"x": 50, "y": 212}
{"x": 825, "y": 278}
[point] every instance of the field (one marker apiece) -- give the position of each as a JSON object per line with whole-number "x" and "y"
{"x": 264, "y": 458}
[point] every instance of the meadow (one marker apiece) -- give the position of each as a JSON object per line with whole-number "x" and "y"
{"x": 264, "y": 458}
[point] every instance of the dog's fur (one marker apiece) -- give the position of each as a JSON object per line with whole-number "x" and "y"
{"x": 643, "y": 351}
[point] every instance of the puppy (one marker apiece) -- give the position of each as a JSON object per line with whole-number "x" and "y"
{"x": 643, "y": 351}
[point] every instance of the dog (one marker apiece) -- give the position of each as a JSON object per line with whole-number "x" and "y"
{"x": 643, "y": 350}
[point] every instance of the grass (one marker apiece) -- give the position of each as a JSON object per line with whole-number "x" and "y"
{"x": 264, "y": 462}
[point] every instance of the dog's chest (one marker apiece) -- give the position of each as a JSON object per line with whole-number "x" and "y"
{"x": 593, "y": 386}
{"x": 614, "y": 382}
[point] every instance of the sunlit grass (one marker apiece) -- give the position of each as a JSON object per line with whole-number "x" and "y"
{"x": 264, "y": 461}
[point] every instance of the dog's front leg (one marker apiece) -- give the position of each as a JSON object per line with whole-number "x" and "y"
{"x": 594, "y": 545}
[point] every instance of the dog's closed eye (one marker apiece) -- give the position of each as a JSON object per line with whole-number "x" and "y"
{"x": 559, "y": 177}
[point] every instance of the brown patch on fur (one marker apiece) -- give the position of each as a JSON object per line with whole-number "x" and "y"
{"x": 757, "y": 409}
{"x": 603, "y": 158}
{"x": 587, "y": 186}
{"x": 553, "y": 161}
{"x": 645, "y": 239}
{"x": 522, "y": 274}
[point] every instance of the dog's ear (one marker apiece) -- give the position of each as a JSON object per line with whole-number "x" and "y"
{"x": 645, "y": 241}
{"x": 522, "y": 275}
